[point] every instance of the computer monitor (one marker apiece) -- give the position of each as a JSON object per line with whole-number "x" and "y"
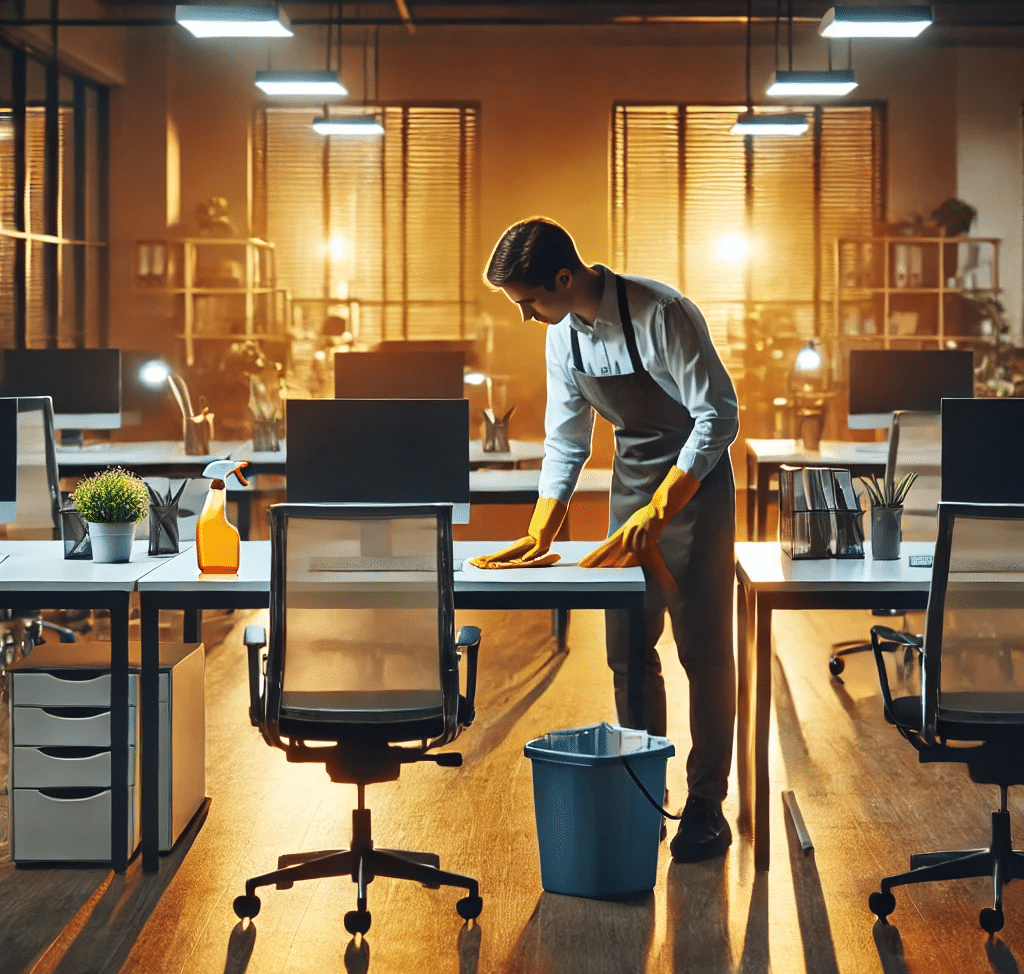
{"x": 982, "y": 451}
{"x": 399, "y": 373}
{"x": 379, "y": 451}
{"x": 8, "y": 460}
{"x": 84, "y": 384}
{"x": 884, "y": 380}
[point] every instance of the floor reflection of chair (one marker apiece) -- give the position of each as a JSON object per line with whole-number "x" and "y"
{"x": 361, "y": 673}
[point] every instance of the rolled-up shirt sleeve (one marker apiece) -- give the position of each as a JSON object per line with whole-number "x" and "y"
{"x": 568, "y": 424}
{"x": 705, "y": 388}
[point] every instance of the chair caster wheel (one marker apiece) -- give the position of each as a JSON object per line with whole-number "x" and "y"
{"x": 469, "y": 907}
{"x": 284, "y": 885}
{"x": 881, "y": 904}
{"x": 991, "y": 920}
{"x": 357, "y": 921}
{"x": 246, "y": 907}
{"x": 836, "y": 665}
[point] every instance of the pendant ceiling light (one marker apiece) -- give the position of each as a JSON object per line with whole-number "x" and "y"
{"x": 901, "y": 21}
{"x": 300, "y": 83}
{"x": 203, "y": 21}
{"x": 765, "y": 124}
{"x": 362, "y": 121}
{"x": 800, "y": 83}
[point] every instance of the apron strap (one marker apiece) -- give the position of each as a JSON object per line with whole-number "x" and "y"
{"x": 628, "y": 333}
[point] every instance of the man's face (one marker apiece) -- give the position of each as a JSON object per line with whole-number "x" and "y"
{"x": 539, "y": 303}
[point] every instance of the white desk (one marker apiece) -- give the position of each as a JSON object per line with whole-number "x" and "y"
{"x": 166, "y": 457}
{"x": 177, "y": 584}
{"x": 35, "y": 575}
{"x": 764, "y": 457}
{"x": 768, "y": 580}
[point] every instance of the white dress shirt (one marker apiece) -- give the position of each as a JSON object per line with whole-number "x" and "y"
{"x": 675, "y": 347}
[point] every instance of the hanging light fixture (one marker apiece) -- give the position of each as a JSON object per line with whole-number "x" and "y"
{"x": 205, "y": 21}
{"x": 901, "y": 21}
{"x": 748, "y": 123}
{"x": 322, "y": 83}
{"x": 789, "y": 82}
{"x": 362, "y": 121}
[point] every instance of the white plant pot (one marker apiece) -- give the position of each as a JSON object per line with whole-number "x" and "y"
{"x": 111, "y": 543}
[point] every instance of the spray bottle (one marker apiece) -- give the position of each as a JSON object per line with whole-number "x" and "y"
{"x": 217, "y": 541}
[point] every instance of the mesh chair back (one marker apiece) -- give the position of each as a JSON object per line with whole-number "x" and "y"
{"x": 362, "y": 620}
{"x": 974, "y": 641}
{"x": 38, "y": 509}
{"x": 915, "y": 445}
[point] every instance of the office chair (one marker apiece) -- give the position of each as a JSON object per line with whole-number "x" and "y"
{"x": 37, "y": 515}
{"x": 363, "y": 660}
{"x": 915, "y": 445}
{"x": 970, "y": 708}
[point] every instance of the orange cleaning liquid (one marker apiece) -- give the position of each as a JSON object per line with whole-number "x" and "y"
{"x": 217, "y": 540}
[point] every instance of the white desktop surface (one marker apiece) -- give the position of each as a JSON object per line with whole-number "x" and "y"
{"x": 563, "y": 575}
{"x": 597, "y": 480}
{"x": 181, "y": 573}
{"x": 143, "y": 451}
{"x": 30, "y": 565}
{"x": 831, "y": 453}
{"x": 519, "y": 451}
{"x": 766, "y": 567}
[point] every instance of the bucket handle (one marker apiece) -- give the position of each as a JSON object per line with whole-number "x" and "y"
{"x": 647, "y": 794}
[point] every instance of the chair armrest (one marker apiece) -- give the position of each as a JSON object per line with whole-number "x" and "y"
{"x": 879, "y": 633}
{"x": 469, "y": 639}
{"x": 255, "y": 639}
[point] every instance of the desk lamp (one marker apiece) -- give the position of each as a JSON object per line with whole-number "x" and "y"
{"x": 197, "y": 429}
{"x": 808, "y": 384}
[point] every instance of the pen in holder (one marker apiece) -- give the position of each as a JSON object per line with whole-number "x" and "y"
{"x": 74, "y": 533}
{"x": 163, "y": 521}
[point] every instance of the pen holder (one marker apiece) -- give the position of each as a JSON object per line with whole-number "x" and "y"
{"x": 264, "y": 435}
{"x": 163, "y": 529}
{"x": 75, "y": 534}
{"x": 886, "y": 532}
{"x": 495, "y": 432}
{"x": 198, "y": 431}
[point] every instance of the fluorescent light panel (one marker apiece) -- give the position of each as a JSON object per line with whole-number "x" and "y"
{"x": 812, "y": 83}
{"x": 770, "y": 125}
{"x": 351, "y": 125}
{"x": 300, "y": 83}
{"x": 203, "y": 21}
{"x": 902, "y": 21}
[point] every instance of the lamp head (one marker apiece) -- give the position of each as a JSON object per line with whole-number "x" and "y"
{"x": 154, "y": 373}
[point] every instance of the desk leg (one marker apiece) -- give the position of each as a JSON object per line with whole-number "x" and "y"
{"x": 150, "y": 626}
{"x": 752, "y": 495}
{"x": 244, "y": 499}
{"x": 635, "y": 669}
{"x": 762, "y": 723}
{"x": 192, "y": 626}
{"x": 743, "y": 681}
{"x": 560, "y": 627}
{"x": 119, "y": 609}
{"x": 764, "y": 472}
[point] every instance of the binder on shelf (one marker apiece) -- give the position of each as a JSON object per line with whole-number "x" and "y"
{"x": 819, "y": 516}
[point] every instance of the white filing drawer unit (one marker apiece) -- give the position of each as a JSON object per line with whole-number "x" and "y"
{"x": 60, "y": 749}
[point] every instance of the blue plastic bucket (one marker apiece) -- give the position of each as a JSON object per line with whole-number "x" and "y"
{"x": 598, "y": 834}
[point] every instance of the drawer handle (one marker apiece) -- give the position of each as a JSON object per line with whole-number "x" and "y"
{"x": 72, "y": 753}
{"x": 68, "y": 794}
{"x": 75, "y": 713}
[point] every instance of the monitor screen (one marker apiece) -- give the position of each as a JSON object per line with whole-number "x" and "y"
{"x": 84, "y": 383}
{"x": 399, "y": 374}
{"x": 379, "y": 451}
{"x": 8, "y": 459}
{"x": 884, "y": 380}
{"x": 982, "y": 462}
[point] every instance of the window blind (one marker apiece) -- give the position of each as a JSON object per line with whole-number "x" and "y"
{"x": 388, "y": 224}
{"x": 686, "y": 193}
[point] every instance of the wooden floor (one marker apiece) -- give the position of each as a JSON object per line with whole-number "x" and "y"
{"x": 865, "y": 800}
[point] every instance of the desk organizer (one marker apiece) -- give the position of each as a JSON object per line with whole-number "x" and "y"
{"x": 819, "y": 516}
{"x": 60, "y": 754}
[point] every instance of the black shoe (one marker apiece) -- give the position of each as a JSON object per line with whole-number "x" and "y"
{"x": 703, "y": 831}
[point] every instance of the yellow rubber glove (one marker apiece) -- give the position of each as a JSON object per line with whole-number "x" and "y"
{"x": 531, "y": 551}
{"x": 636, "y": 542}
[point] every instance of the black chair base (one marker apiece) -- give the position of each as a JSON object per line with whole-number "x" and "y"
{"x": 363, "y": 863}
{"x": 1000, "y": 861}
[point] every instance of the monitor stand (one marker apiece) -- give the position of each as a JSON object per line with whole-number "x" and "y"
{"x": 71, "y": 438}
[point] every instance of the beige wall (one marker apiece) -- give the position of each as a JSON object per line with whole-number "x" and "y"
{"x": 546, "y": 98}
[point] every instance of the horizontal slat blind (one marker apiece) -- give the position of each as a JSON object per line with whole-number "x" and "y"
{"x": 401, "y": 212}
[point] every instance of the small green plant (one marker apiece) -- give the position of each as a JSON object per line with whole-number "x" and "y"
{"x": 888, "y": 495}
{"x": 112, "y": 496}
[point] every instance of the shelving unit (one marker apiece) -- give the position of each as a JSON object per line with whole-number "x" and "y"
{"x": 906, "y": 292}
{"x": 227, "y": 287}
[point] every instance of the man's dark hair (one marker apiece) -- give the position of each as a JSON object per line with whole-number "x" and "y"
{"x": 532, "y": 252}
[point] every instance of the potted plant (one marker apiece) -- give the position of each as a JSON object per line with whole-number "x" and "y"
{"x": 887, "y": 514}
{"x": 112, "y": 502}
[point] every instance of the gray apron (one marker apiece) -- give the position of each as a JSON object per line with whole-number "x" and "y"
{"x": 650, "y": 430}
